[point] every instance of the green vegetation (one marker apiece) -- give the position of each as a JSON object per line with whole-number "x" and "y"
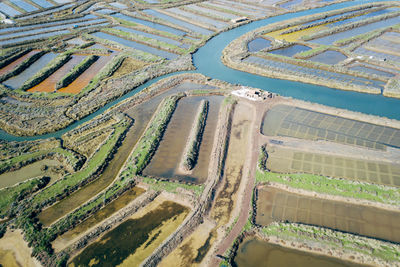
{"x": 148, "y": 40}
{"x": 262, "y": 159}
{"x": 172, "y": 186}
{"x": 326, "y": 237}
{"x": 229, "y": 100}
{"x": 61, "y": 187}
{"x": 25, "y": 159}
{"x": 52, "y": 67}
{"x": 76, "y": 71}
{"x": 312, "y": 52}
{"x": 148, "y": 143}
{"x": 191, "y": 152}
{"x": 339, "y": 187}
{"x": 11, "y": 195}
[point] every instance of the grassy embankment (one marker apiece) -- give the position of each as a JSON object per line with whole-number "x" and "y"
{"x": 49, "y": 69}
{"x": 25, "y": 159}
{"x": 192, "y": 147}
{"x": 76, "y": 71}
{"x": 334, "y": 239}
{"x": 22, "y": 66}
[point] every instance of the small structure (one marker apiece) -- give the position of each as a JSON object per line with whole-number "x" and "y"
{"x": 253, "y": 94}
{"x": 237, "y": 20}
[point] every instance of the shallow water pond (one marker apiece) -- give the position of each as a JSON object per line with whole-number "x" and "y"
{"x": 258, "y": 44}
{"x": 290, "y": 50}
{"x": 328, "y": 57}
{"x": 132, "y": 235}
{"x": 255, "y": 252}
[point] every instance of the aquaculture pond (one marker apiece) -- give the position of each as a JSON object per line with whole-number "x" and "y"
{"x": 34, "y": 170}
{"x": 16, "y": 62}
{"x": 43, "y": 3}
{"x": 328, "y": 57}
{"x": 16, "y": 81}
{"x": 8, "y": 10}
{"x": 135, "y": 45}
{"x": 120, "y": 245}
{"x": 24, "y": 5}
{"x": 179, "y": 22}
{"x": 330, "y": 39}
{"x": 32, "y": 37}
{"x": 166, "y": 161}
{"x": 64, "y": 240}
{"x": 200, "y": 19}
{"x": 283, "y": 120}
{"x": 292, "y": 160}
{"x": 371, "y": 70}
{"x": 258, "y": 44}
{"x": 290, "y": 50}
{"x": 275, "y": 204}
{"x": 253, "y": 252}
{"x": 49, "y": 84}
{"x": 207, "y": 62}
{"x": 153, "y": 36}
{"x": 150, "y": 24}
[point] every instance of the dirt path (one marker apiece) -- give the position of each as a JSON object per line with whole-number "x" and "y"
{"x": 249, "y": 176}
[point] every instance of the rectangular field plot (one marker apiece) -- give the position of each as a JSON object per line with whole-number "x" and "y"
{"x": 197, "y": 18}
{"x": 212, "y": 12}
{"x": 283, "y": 120}
{"x": 238, "y": 8}
{"x": 330, "y": 39}
{"x": 43, "y": 3}
{"x": 364, "y": 16}
{"x": 8, "y": 10}
{"x": 296, "y": 70}
{"x": 150, "y": 24}
{"x": 278, "y": 205}
{"x": 166, "y": 161}
{"x": 24, "y": 5}
{"x": 16, "y": 81}
{"x": 135, "y": 45}
{"x": 187, "y": 25}
{"x": 372, "y": 69}
{"x": 377, "y": 55}
{"x": 286, "y": 160}
{"x": 153, "y": 36}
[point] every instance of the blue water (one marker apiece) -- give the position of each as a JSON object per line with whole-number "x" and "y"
{"x": 182, "y": 23}
{"x": 8, "y": 10}
{"x": 135, "y": 45}
{"x": 258, "y": 44}
{"x": 207, "y": 61}
{"x": 150, "y": 24}
{"x": 43, "y": 3}
{"x": 24, "y": 5}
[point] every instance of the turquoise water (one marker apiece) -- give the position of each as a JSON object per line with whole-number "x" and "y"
{"x": 207, "y": 61}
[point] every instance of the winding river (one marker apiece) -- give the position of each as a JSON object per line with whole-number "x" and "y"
{"x": 207, "y": 61}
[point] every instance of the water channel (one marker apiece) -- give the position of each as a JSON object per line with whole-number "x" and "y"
{"x": 207, "y": 61}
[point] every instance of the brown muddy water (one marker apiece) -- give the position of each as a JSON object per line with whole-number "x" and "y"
{"x": 284, "y": 120}
{"x": 49, "y": 84}
{"x": 288, "y": 160}
{"x": 141, "y": 114}
{"x": 255, "y": 252}
{"x": 131, "y": 236}
{"x": 166, "y": 161}
{"x": 63, "y": 240}
{"x": 35, "y": 169}
{"x": 279, "y": 205}
{"x": 83, "y": 80}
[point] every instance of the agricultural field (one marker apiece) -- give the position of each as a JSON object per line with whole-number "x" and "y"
{"x": 199, "y": 133}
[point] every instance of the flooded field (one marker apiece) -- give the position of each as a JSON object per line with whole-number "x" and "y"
{"x": 142, "y": 114}
{"x": 49, "y": 84}
{"x": 16, "y": 81}
{"x": 283, "y": 120}
{"x": 258, "y": 44}
{"x": 328, "y": 57}
{"x": 36, "y": 169}
{"x": 371, "y": 69}
{"x": 290, "y": 50}
{"x": 135, "y": 45}
{"x": 255, "y": 252}
{"x": 133, "y": 240}
{"x": 15, "y": 63}
{"x": 64, "y": 240}
{"x": 286, "y": 160}
{"x": 83, "y": 80}
{"x": 278, "y": 205}
{"x": 165, "y": 162}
